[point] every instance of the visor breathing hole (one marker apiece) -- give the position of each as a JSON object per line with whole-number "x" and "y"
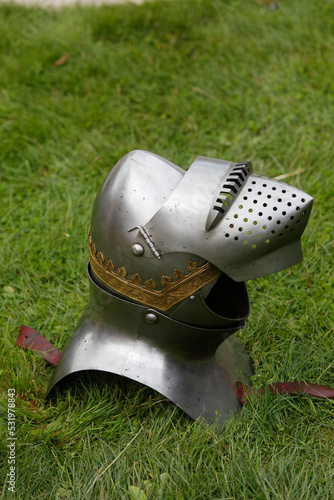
{"x": 237, "y": 177}
{"x": 275, "y": 216}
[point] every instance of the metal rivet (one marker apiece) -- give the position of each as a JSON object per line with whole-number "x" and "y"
{"x": 192, "y": 297}
{"x": 151, "y": 318}
{"x": 137, "y": 249}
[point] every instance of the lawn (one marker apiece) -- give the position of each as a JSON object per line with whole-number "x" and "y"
{"x": 81, "y": 87}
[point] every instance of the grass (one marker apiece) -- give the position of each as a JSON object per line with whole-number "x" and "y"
{"x": 234, "y": 80}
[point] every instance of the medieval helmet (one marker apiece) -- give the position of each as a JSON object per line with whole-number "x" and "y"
{"x": 169, "y": 254}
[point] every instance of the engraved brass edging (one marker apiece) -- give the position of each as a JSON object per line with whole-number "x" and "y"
{"x": 172, "y": 292}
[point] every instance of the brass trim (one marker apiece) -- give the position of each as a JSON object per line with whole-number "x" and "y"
{"x": 173, "y": 291}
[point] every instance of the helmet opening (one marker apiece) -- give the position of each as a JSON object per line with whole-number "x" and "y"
{"x": 229, "y": 298}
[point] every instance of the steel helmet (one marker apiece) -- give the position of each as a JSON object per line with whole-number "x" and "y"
{"x": 169, "y": 254}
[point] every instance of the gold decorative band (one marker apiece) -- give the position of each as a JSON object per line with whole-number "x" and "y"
{"x": 173, "y": 291}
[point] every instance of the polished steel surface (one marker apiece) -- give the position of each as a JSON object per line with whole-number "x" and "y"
{"x": 245, "y": 224}
{"x": 194, "y": 367}
{"x": 169, "y": 255}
